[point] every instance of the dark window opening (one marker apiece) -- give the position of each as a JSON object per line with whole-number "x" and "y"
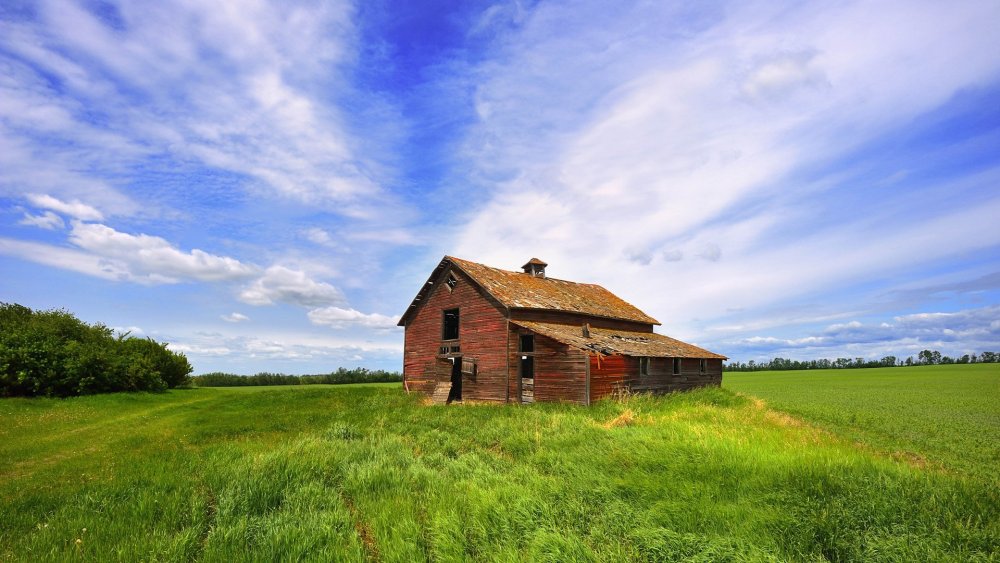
{"x": 677, "y": 366}
{"x": 527, "y": 342}
{"x": 643, "y": 366}
{"x": 528, "y": 367}
{"x": 451, "y": 282}
{"x": 702, "y": 365}
{"x": 450, "y": 331}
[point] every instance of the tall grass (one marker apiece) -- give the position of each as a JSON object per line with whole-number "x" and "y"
{"x": 353, "y": 473}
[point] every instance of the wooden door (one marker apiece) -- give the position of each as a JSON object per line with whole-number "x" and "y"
{"x": 527, "y": 379}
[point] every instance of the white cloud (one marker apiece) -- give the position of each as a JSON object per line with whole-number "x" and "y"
{"x": 279, "y": 283}
{"x": 244, "y": 353}
{"x": 47, "y": 220}
{"x": 960, "y": 332}
{"x": 710, "y": 252}
{"x": 673, "y": 255}
{"x": 199, "y": 350}
{"x": 319, "y": 236}
{"x": 68, "y": 259}
{"x": 252, "y": 88}
{"x": 635, "y": 149}
{"x": 779, "y": 76}
{"x": 337, "y": 317}
{"x": 235, "y": 318}
{"x": 153, "y": 259}
{"x": 75, "y": 208}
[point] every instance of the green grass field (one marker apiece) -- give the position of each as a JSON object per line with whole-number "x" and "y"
{"x": 353, "y": 473}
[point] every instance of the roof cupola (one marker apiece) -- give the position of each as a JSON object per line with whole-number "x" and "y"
{"x": 535, "y": 267}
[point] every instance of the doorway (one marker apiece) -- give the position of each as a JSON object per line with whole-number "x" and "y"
{"x": 527, "y": 368}
{"x": 456, "y": 380}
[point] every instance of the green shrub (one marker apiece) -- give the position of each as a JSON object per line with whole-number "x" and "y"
{"x": 53, "y": 353}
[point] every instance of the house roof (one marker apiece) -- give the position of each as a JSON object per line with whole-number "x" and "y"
{"x": 519, "y": 290}
{"x": 625, "y": 342}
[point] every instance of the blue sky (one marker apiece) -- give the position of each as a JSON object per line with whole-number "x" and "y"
{"x": 265, "y": 186}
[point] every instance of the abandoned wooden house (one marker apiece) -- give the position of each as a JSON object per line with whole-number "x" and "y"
{"x": 476, "y": 332}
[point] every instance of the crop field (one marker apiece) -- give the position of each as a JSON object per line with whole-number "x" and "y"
{"x": 946, "y": 416}
{"x": 365, "y": 472}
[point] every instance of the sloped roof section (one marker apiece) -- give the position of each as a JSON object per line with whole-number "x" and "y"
{"x": 518, "y": 290}
{"x": 624, "y": 342}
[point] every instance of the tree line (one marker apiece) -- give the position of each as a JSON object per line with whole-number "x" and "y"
{"x": 924, "y": 358}
{"x": 342, "y": 375}
{"x": 53, "y": 353}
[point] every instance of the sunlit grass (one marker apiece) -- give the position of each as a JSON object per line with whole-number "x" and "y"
{"x": 367, "y": 472}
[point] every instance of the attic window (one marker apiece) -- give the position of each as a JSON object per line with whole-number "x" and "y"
{"x": 451, "y": 282}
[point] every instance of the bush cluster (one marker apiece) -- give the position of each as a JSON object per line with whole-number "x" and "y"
{"x": 52, "y": 353}
{"x": 342, "y": 375}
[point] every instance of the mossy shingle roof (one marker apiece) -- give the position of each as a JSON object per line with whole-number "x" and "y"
{"x": 625, "y": 342}
{"x": 518, "y": 290}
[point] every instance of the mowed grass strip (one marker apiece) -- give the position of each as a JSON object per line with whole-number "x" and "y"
{"x": 355, "y": 473}
{"x": 947, "y": 417}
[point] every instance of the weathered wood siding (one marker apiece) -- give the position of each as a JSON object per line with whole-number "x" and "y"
{"x": 482, "y": 335}
{"x": 662, "y": 380}
{"x": 610, "y": 373}
{"x": 560, "y": 371}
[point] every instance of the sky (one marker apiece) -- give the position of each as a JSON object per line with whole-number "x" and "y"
{"x": 266, "y": 185}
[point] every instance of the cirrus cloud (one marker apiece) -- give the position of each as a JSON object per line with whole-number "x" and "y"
{"x": 338, "y": 317}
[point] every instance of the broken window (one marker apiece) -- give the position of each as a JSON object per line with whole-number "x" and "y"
{"x": 643, "y": 366}
{"x": 450, "y": 325}
{"x": 677, "y": 366}
{"x": 527, "y": 346}
{"x": 451, "y": 282}
{"x": 527, "y": 342}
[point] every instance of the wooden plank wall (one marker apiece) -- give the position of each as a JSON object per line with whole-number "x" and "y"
{"x": 662, "y": 380}
{"x": 482, "y": 335}
{"x": 615, "y": 372}
{"x": 560, "y": 371}
{"x": 610, "y": 373}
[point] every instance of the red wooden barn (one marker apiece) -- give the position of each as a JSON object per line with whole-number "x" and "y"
{"x": 476, "y": 332}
